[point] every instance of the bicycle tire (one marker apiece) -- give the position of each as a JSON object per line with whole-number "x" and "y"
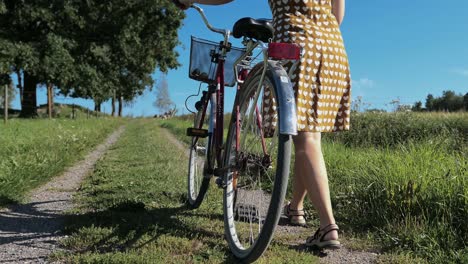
{"x": 233, "y": 197}
{"x": 198, "y": 182}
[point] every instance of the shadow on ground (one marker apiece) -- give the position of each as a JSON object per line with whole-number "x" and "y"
{"x": 23, "y": 222}
{"x": 130, "y": 221}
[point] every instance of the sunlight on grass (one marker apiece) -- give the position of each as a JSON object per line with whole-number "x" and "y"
{"x": 33, "y": 151}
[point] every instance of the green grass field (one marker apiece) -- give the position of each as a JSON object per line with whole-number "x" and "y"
{"x": 132, "y": 210}
{"x": 33, "y": 151}
{"x": 394, "y": 189}
{"x": 400, "y": 180}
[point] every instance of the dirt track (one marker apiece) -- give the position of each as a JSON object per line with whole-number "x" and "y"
{"x": 30, "y": 232}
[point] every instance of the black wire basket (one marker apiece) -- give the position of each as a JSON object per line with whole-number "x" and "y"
{"x": 202, "y": 67}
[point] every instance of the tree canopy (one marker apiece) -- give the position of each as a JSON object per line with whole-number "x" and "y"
{"x": 449, "y": 101}
{"x": 91, "y": 49}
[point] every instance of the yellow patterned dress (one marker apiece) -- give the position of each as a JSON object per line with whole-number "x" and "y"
{"x": 322, "y": 80}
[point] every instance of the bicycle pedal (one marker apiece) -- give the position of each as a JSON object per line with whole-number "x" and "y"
{"x": 197, "y": 132}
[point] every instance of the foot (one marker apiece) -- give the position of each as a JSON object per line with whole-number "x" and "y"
{"x": 296, "y": 217}
{"x": 332, "y": 235}
{"x": 325, "y": 237}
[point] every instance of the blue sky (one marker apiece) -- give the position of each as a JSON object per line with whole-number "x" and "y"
{"x": 397, "y": 49}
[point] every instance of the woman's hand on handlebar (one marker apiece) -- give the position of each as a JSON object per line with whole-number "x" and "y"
{"x": 183, "y": 4}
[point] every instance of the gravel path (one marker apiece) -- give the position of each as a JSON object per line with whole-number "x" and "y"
{"x": 30, "y": 232}
{"x": 342, "y": 255}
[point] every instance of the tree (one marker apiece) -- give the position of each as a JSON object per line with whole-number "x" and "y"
{"x": 130, "y": 40}
{"x": 35, "y": 30}
{"x": 465, "y": 101}
{"x": 163, "y": 100}
{"x": 430, "y": 102}
{"x": 449, "y": 101}
{"x": 452, "y": 102}
{"x": 87, "y": 48}
{"x": 417, "y": 107}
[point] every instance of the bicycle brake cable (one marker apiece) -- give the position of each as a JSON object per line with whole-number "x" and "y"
{"x": 193, "y": 95}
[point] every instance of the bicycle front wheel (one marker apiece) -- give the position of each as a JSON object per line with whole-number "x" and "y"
{"x": 200, "y": 153}
{"x": 257, "y": 159}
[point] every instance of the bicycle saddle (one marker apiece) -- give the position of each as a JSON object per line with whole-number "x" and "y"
{"x": 260, "y": 29}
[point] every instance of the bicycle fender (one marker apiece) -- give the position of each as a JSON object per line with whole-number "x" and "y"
{"x": 286, "y": 99}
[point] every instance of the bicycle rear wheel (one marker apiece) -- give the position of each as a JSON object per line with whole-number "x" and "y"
{"x": 200, "y": 153}
{"x": 257, "y": 159}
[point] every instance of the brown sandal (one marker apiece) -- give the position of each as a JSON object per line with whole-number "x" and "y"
{"x": 317, "y": 241}
{"x": 296, "y": 217}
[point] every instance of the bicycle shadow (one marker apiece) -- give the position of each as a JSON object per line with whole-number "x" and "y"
{"x": 135, "y": 226}
{"x": 22, "y": 222}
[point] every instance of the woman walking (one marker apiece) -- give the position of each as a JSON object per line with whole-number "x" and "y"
{"x": 322, "y": 85}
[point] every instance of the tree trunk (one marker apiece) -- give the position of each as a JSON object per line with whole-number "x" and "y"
{"x": 20, "y": 85}
{"x": 5, "y": 106}
{"x": 97, "y": 106}
{"x": 120, "y": 106}
{"x": 113, "y": 104}
{"x": 50, "y": 101}
{"x": 29, "y": 103}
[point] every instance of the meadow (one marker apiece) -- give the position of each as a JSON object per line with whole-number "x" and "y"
{"x": 34, "y": 151}
{"x": 399, "y": 180}
{"x": 399, "y": 186}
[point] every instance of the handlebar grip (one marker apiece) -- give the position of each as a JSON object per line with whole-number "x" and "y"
{"x": 180, "y": 5}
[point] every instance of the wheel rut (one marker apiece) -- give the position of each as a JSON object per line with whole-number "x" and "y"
{"x": 30, "y": 232}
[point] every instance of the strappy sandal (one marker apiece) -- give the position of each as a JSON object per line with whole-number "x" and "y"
{"x": 316, "y": 241}
{"x": 296, "y": 217}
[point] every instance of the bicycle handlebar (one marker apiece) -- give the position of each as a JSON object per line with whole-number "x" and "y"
{"x": 224, "y": 32}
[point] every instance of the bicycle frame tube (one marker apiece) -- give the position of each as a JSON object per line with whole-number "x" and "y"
{"x": 212, "y": 119}
{"x": 220, "y": 107}
{"x": 217, "y": 118}
{"x": 242, "y": 75}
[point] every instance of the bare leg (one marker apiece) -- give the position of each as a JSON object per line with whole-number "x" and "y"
{"x": 311, "y": 173}
{"x": 299, "y": 190}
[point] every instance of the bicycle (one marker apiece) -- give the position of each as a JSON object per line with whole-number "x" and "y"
{"x": 252, "y": 166}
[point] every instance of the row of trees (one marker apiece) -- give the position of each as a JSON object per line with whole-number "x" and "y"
{"x": 449, "y": 101}
{"x": 90, "y": 49}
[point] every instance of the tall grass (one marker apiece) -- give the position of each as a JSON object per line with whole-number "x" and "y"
{"x": 391, "y": 129}
{"x": 415, "y": 197}
{"x": 33, "y": 151}
{"x": 404, "y": 178}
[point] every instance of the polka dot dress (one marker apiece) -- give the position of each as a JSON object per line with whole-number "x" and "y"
{"x": 321, "y": 79}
